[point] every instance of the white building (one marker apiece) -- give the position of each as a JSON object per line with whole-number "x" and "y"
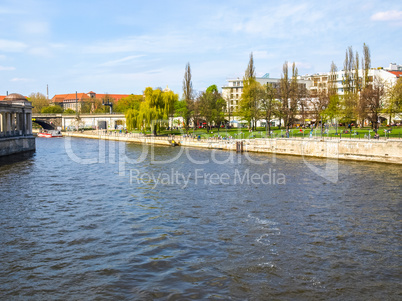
{"x": 234, "y": 89}
{"x": 315, "y": 84}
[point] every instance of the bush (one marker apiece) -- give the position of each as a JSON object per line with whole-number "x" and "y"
{"x": 69, "y": 111}
{"x": 52, "y": 109}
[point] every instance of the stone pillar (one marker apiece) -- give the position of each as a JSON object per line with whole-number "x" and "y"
{"x": 29, "y": 124}
{"x": 8, "y": 123}
{"x": 21, "y": 123}
{"x": 1, "y": 124}
{"x": 12, "y": 116}
{"x": 17, "y": 123}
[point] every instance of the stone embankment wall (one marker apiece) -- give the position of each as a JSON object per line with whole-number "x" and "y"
{"x": 14, "y": 145}
{"x": 386, "y": 151}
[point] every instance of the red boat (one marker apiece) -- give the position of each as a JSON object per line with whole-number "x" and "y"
{"x": 50, "y": 134}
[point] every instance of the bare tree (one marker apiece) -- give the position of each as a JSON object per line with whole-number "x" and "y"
{"x": 250, "y": 71}
{"x": 373, "y": 95}
{"x": 269, "y": 104}
{"x": 349, "y": 96}
{"x": 294, "y": 95}
{"x": 364, "y": 84}
{"x": 284, "y": 94}
{"x": 333, "y": 109}
{"x": 39, "y": 101}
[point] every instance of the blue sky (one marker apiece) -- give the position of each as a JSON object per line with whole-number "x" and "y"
{"x": 124, "y": 46}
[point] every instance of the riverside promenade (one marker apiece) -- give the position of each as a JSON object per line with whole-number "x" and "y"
{"x": 384, "y": 151}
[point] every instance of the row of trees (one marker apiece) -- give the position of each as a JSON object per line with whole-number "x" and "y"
{"x": 156, "y": 107}
{"x": 288, "y": 100}
{"x": 283, "y": 100}
{"x": 364, "y": 97}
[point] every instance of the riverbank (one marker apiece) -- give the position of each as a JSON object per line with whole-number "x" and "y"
{"x": 384, "y": 151}
{"x": 16, "y": 145}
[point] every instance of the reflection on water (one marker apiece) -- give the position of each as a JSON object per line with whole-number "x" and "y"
{"x": 76, "y": 231}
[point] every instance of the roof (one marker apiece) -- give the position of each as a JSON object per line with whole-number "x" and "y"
{"x": 397, "y": 73}
{"x": 83, "y": 96}
{"x": 71, "y": 96}
{"x": 13, "y": 96}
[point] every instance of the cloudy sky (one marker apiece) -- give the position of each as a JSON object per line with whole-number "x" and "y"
{"x": 125, "y": 46}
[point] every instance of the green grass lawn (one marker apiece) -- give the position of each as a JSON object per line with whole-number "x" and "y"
{"x": 237, "y": 133}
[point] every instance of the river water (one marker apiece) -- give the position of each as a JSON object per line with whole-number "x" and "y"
{"x": 85, "y": 219}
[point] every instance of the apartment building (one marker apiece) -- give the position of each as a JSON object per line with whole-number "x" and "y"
{"x": 234, "y": 89}
{"x": 315, "y": 84}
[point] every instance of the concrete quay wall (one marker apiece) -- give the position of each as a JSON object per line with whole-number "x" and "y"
{"x": 14, "y": 145}
{"x": 385, "y": 151}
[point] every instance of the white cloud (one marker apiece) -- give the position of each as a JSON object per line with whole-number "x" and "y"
{"x": 35, "y": 28}
{"x": 301, "y": 65}
{"x": 12, "y": 46}
{"x": 40, "y": 51}
{"x": 391, "y": 15}
{"x": 262, "y": 54}
{"x": 281, "y": 21}
{"x": 20, "y": 79}
{"x": 120, "y": 61}
{"x": 58, "y": 45}
{"x": 4, "y": 68}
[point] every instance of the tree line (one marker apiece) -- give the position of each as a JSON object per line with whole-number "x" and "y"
{"x": 364, "y": 97}
{"x": 288, "y": 100}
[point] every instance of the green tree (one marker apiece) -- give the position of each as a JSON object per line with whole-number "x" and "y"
{"x": 39, "y": 101}
{"x": 249, "y": 102}
{"x": 130, "y": 102}
{"x": 86, "y": 106}
{"x": 394, "y": 100}
{"x": 52, "y": 109}
{"x": 212, "y": 107}
{"x": 188, "y": 97}
{"x": 69, "y": 111}
{"x": 153, "y": 112}
{"x": 106, "y": 99}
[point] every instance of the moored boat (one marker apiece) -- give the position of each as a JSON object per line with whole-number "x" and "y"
{"x": 50, "y": 134}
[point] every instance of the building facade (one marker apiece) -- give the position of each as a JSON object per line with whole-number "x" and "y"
{"x": 233, "y": 91}
{"x": 316, "y": 84}
{"x": 74, "y": 101}
{"x": 15, "y": 125}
